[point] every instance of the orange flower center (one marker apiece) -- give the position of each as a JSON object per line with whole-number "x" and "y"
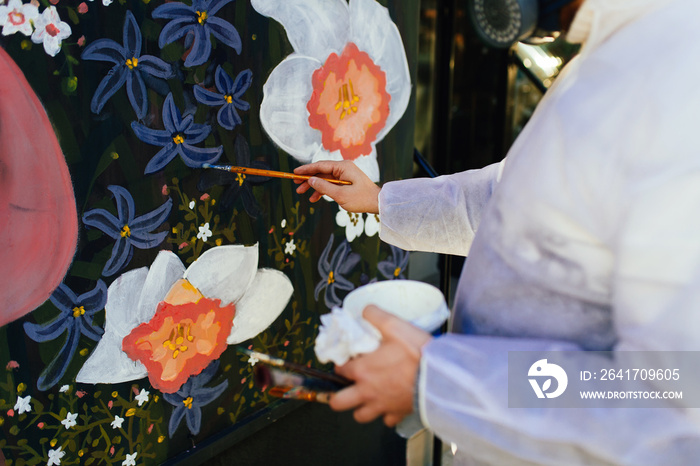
{"x": 179, "y": 335}
{"x": 331, "y": 277}
{"x": 349, "y": 103}
{"x": 202, "y": 17}
{"x": 397, "y": 272}
{"x": 126, "y": 231}
{"x": 132, "y": 63}
{"x": 78, "y": 311}
{"x": 52, "y": 30}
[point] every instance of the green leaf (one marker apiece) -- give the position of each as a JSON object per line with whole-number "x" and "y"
{"x": 73, "y": 16}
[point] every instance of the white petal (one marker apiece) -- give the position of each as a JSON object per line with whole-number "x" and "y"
{"x": 373, "y": 31}
{"x": 224, "y": 272}
{"x": 368, "y": 164}
{"x": 109, "y": 364}
{"x": 314, "y": 27}
{"x": 164, "y": 272}
{"x": 283, "y": 111}
{"x": 262, "y": 304}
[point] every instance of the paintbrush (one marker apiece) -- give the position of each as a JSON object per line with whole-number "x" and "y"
{"x": 309, "y": 372}
{"x": 272, "y": 173}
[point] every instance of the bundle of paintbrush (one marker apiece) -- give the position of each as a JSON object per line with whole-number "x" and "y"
{"x": 286, "y": 379}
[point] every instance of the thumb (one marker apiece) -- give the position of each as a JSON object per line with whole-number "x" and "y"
{"x": 325, "y": 188}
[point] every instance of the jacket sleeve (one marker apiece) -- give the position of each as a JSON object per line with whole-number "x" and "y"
{"x": 436, "y": 215}
{"x": 463, "y": 386}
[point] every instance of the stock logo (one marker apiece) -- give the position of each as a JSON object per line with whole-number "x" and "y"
{"x": 542, "y": 370}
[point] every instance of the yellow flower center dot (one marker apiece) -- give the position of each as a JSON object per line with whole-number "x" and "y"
{"x": 347, "y": 100}
{"x": 178, "y": 139}
{"x": 331, "y": 277}
{"x": 228, "y": 99}
{"x": 188, "y": 402}
{"x": 178, "y": 335}
{"x": 126, "y": 231}
{"x": 132, "y": 62}
{"x": 79, "y": 311}
{"x": 397, "y": 271}
{"x": 240, "y": 177}
{"x": 201, "y": 17}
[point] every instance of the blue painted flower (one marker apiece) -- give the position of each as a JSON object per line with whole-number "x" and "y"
{"x": 395, "y": 265}
{"x": 76, "y": 313}
{"x": 190, "y": 398}
{"x": 129, "y": 231}
{"x": 342, "y": 262}
{"x": 229, "y": 96}
{"x": 177, "y": 139}
{"x": 239, "y": 186}
{"x": 200, "y": 21}
{"x": 129, "y": 67}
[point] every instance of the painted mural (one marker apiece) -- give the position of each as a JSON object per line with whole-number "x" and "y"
{"x": 130, "y": 274}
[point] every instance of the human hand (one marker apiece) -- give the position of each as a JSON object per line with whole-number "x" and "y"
{"x": 384, "y": 379}
{"x": 362, "y": 196}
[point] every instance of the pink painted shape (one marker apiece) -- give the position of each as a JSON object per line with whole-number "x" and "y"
{"x": 38, "y": 219}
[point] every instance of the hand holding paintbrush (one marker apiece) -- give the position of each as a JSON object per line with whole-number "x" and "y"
{"x": 271, "y": 173}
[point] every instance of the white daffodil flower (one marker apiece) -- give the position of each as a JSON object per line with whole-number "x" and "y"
{"x": 354, "y": 223}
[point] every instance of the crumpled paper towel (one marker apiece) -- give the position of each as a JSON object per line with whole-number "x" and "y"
{"x": 343, "y": 336}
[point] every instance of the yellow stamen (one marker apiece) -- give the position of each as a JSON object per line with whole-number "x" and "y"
{"x": 188, "y": 402}
{"x": 178, "y": 335}
{"x": 228, "y": 98}
{"x": 201, "y": 17}
{"x": 240, "y": 177}
{"x": 126, "y": 231}
{"x": 78, "y": 311}
{"x": 331, "y": 278}
{"x": 346, "y": 99}
{"x": 397, "y": 271}
{"x": 132, "y": 62}
{"x": 178, "y": 139}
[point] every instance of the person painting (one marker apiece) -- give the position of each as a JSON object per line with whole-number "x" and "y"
{"x": 585, "y": 237}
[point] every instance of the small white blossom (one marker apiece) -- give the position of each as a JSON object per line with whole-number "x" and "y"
{"x": 290, "y": 247}
{"x": 192, "y": 204}
{"x": 117, "y": 422}
{"x": 50, "y": 31}
{"x": 55, "y": 456}
{"x": 130, "y": 460}
{"x": 372, "y": 224}
{"x": 17, "y": 17}
{"x": 106, "y": 2}
{"x": 142, "y": 398}
{"x": 64, "y": 389}
{"x": 252, "y": 360}
{"x": 354, "y": 223}
{"x": 70, "y": 420}
{"x": 204, "y": 232}
{"x": 22, "y": 405}
{"x": 284, "y": 223}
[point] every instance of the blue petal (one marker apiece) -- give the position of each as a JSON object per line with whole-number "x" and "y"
{"x": 147, "y": 240}
{"x": 156, "y": 137}
{"x": 215, "y": 5}
{"x": 342, "y": 283}
{"x": 330, "y": 298}
{"x": 185, "y": 123}
{"x": 105, "y": 50}
{"x": 174, "y": 10}
{"x": 121, "y": 255}
{"x": 224, "y": 32}
{"x": 201, "y": 49}
{"x": 204, "y": 377}
{"x": 132, "y": 35}
{"x": 208, "y": 97}
{"x": 197, "y": 133}
{"x": 323, "y": 265}
{"x": 161, "y": 159}
{"x": 50, "y": 330}
{"x": 108, "y": 86}
{"x": 103, "y": 221}
{"x": 125, "y": 204}
{"x": 136, "y": 90}
{"x": 64, "y": 298}
{"x": 178, "y": 411}
{"x": 204, "y": 396}
{"x": 193, "y": 416}
{"x": 175, "y": 29}
{"x": 228, "y": 117}
{"x": 152, "y": 220}
{"x": 56, "y": 368}
{"x": 349, "y": 263}
{"x": 95, "y": 299}
{"x": 88, "y": 329}
{"x": 339, "y": 255}
{"x": 242, "y": 83}
{"x": 196, "y": 156}
{"x": 171, "y": 114}
{"x": 155, "y": 67}
{"x": 224, "y": 83}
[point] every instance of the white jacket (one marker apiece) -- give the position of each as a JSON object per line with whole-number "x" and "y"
{"x": 587, "y": 236}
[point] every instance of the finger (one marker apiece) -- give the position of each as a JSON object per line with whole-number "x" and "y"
{"x": 325, "y": 188}
{"x": 325, "y": 166}
{"x": 303, "y": 187}
{"x": 347, "y": 398}
{"x": 366, "y": 413}
{"x": 315, "y": 197}
{"x": 390, "y": 420}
